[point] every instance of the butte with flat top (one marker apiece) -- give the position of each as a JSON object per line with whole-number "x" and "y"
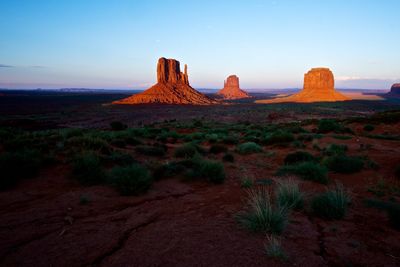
{"x": 172, "y": 87}
{"x": 232, "y": 89}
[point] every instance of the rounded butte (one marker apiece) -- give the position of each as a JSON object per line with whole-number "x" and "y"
{"x": 318, "y": 87}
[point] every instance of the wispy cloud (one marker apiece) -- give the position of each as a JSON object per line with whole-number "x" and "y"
{"x": 37, "y": 67}
{"x": 5, "y": 66}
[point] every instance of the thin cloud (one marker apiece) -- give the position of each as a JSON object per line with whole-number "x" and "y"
{"x": 5, "y": 66}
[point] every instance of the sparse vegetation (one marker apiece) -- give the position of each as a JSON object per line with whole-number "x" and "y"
{"x": 260, "y": 215}
{"x": 156, "y": 151}
{"x": 118, "y": 126}
{"x": 86, "y": 168}
{"x": 331, "y": 204}
{"x": 392, "y": 209}
{"x": 216, "y": 149}
{"x": 289, "y": 195}
{"x": 185, "y": 151}
{"x": 131, "y": 180}
{"x": 273, "y": 248}
{"x": 344, "y": 164}
{"x": 329, "y": 125}
{"x": 248, "y": 148}
{"x": 306, "y": 170}
{"x": 278, "y": 137}
{"x": 298, "y": 156}
{"x": 369, "y": 127}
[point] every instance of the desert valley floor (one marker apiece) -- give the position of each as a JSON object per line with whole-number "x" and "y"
{"x": 54, "y": 216}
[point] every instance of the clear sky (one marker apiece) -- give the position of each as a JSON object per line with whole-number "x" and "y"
{"x": 268, "y": 44}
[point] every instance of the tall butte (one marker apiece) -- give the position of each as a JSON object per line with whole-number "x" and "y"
{"x": 232, "y": 90}
{"x": 318, "y": 87}
{"x": 172, "y": 87}
{"x": 394, "y": 91}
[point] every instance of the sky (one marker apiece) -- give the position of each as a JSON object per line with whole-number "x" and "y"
{"x": 268, "y": 44}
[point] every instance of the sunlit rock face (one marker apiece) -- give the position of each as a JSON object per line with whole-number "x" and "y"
{"x": 172, "y": 87}
{"x": 232, "y": 90}
{"x": 318, "y": 87}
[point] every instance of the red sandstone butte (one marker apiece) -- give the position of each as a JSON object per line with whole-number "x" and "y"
{"x": 232, "y": 90}
{"x": 318, "y": 87}
{"x": 172, "y": 87}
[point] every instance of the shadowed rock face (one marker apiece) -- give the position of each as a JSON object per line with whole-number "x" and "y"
{"x": 172, "y": 87}
{"x": 394, "y": 91}
{"x": 232, "y": 90}
{"x": 318, "y": 87}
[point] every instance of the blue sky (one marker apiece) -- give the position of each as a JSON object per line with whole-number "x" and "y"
{"x": 268, "y": 44}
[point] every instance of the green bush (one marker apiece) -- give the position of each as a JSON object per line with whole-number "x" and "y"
{"x": 86, "y": 168}
{"x": 120, "y": 158}
{"x": 289, "y": 195}
{"x": 278, "y": 137}
{"x": 87, "y": 142}
{"x": 168, "y": 170}
{"x": 298, "y": 156}
{"x": 216, "y": 149}
{"x": 334, "y": 149}
{"x": 344, "y": 164}
{"x": 185, "y": 151}
{"x": 260, "y": 215}
{"x": 18, "y": 165}
{"x": 369, "y": 127}
{"x": 329, "y": 125}
{"x": 118, "y": 126}
{"x": 331, "y": 204}
{"x": 212, "y": 170}
{"x": 306, "y": 170}
{"x": 131, "y": 180}
{"x": 156, "y": 151}
{"x": 248, "y": 148}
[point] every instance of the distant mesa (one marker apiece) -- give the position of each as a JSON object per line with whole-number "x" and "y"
{"x": 172, "y": 87}
{"x": 318, "y": 87}
{"x": 394, "y": 91}
{"x": 232, "y": 90}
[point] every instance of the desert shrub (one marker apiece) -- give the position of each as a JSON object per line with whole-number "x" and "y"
{"x": 289, "y": 195}
{"x": 86, "y": 168}
{"x": 260, "y": 215}
{"x": 331, "y": 204}
{"x": 212, "y": 138}
{"x": 131, "y": 180}
{"x": 168, "y": 170}
{"x": 248, "y": 148}
{"x": 88, "y": 143}
{"x": 384, "y": 136}
{"x": 228, "y": 157}
{"x": 213, "y": 171}
{"x": 71, "y": 132}
{"x": 342, "y": 137}
{"x": 305, "y": 137}
{"x": 194, "y": 136}
{"x": 18, "y": 165}
{"x": 329, "y": 125}
{"x": 185, "y": 151}
{"x": 392, "y": 209}
{"x": 278, "y": 137}
{"x": 216, "y": 149}
{"x": 344, "y": 164}
{"x": 118, "y": 126}
{"x": 298, "y": 144}
{"x": 273, "y": 248}
{"x": 298, "y": 156}
{"x": 334, "y": 149}
{"x": 368, "y": 127}
{"x": 306, "y": 170}
{"x": 156, "y": 151}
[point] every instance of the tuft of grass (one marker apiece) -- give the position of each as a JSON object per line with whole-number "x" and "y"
{"x": 185, "y": 151}
{"x": 131, "y": 180}
{"x": 273, "y": 248}
{"x": 86, "y": 168}
{"x": 344, "y": 164}
{"x": 332, "y": 204}
{"x": 334, "y": 149}
{"x": 298, "y": 156}
{"x": 289, "y": 195}
{"x": 306, "y": 170}
{"x": 248, "y": 148}
{"x": 260, "y": 215}
{"x": 213, "y": 171}
{"x": 246, "y": 182}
